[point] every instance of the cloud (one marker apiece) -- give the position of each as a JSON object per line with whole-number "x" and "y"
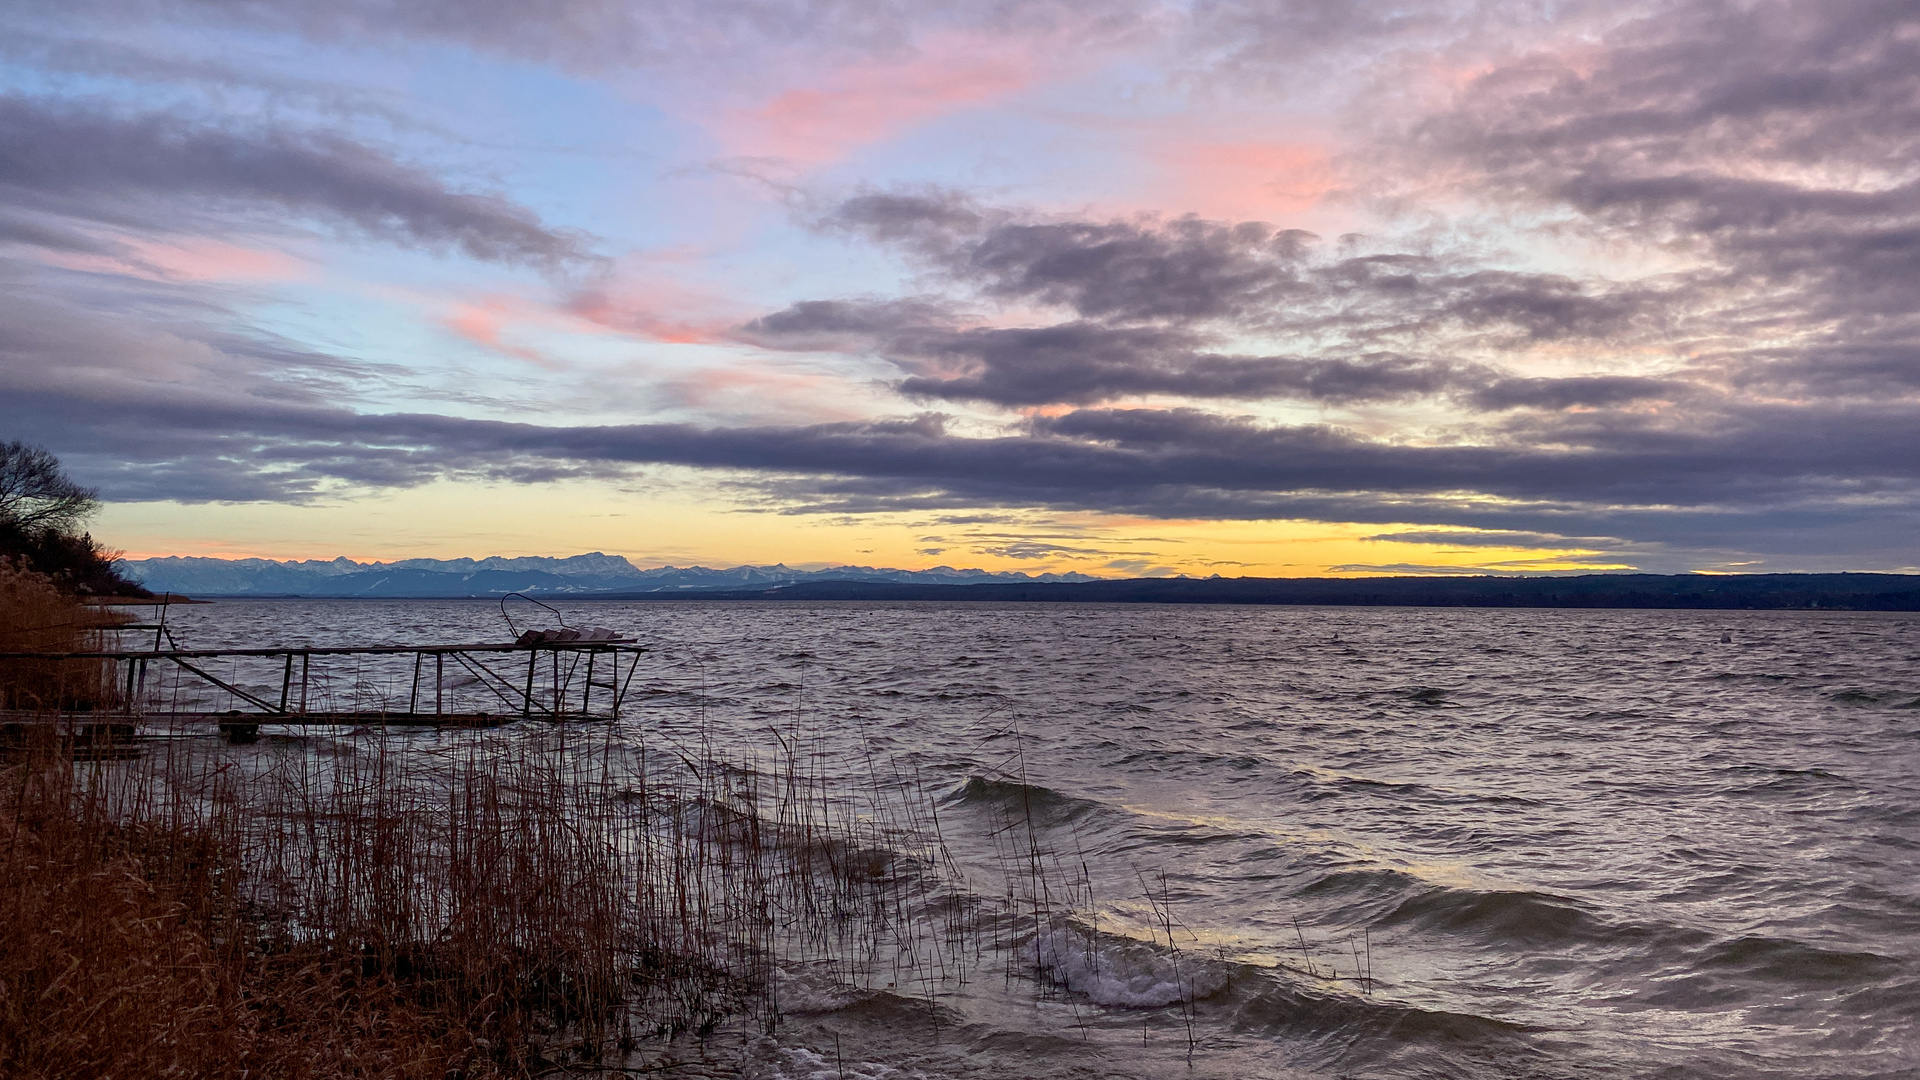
{"x": 1296, "y": 43}
{"x": 1736, "y": 369}
{"x": 1869, "y": 365}
{"x": 1078, "y": 364}
{"x": 1087, "y": 362}
{"x": 1593, "y": 390}
{"x": 609, "y": 35}
{"x": 1037, "y": 549}
{"x": 1416, "y": 569}
{"x": 1246, "y": 277}
{"x": 63, "y": 160}
{"x": 1232, "y": 178}
{"x": 1149, "y": 303}
{"x": 1776, "y": 140}
{"x": 1186, "y": 270}
{"x": 854, "y": 104}
{"x": 1759, "y": 377}
{"x": 1496, "y": 538}
{"x": 158, "y": 402}
{"x": 851, "y": 325}
{"x": 1262, "y": 43}
{"x": 1850, "y": 481}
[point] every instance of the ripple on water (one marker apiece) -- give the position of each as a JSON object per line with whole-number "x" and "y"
{"x": 1578, "y": 843}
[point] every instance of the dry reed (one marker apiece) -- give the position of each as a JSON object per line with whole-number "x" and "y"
{"x": 515, "y": 903}
{"x": 519, "y": 904}
{"x": 36, "y": 616}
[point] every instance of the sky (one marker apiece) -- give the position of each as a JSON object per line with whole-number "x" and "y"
{"x": 1248, "y": 287}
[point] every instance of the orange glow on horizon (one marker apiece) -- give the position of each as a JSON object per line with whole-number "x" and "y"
{"x": 670, "y": 517}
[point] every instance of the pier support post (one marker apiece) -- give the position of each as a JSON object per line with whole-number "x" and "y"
{"x": 533, "y": 658}
{"x": 586, "y": 692}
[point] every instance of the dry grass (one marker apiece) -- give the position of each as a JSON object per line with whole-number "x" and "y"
{"x": 36, "y": 616}
{"x": 132, "y": 948}
{"x": 509, "y": 904}
{"x": 518, "y": 905}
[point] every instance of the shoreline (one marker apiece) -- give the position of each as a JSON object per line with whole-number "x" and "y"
{"x": 1757, "y": 592}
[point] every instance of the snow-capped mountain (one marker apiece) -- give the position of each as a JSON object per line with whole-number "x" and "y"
{"x": 579, "y": 574}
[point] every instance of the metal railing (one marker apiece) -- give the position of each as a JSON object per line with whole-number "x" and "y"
{"x": 554, "y": 676}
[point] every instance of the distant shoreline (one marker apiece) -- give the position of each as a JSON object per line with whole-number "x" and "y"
{"x": 1825, "y": 592}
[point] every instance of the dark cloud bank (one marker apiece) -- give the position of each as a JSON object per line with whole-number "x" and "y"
{"x": 65, "y": 166}
{"x": 1772, "y": 146}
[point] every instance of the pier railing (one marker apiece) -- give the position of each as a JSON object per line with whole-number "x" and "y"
{"x": 545, "y": 675}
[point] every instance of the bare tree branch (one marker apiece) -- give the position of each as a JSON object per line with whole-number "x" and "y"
{"x": 36, "y": 495}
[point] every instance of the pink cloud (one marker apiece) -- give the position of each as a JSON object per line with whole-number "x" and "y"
{"x": 482, "y": 322}
{"x": 641, "y": 315}
{"x": 649, "y": 303}
{"x": 751, "y": 393}
{"x": 741, "y": 391}
{"x": 1241, "y": 180}
{"x": 655, "y": 296}
{"x": 864, "y": 103}
{"x": 185, "y": 260}
{"x": 212, "y": 260}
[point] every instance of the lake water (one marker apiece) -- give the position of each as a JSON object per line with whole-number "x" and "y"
{"x": 1562, "y": 843}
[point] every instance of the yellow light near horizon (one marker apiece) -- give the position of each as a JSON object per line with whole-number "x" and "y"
{"x": 677, "y": 517}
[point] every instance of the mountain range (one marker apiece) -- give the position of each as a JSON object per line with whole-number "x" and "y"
{"x": 496, "y": 576}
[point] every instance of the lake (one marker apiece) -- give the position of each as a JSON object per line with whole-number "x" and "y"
{"x": 1324, "y": 842}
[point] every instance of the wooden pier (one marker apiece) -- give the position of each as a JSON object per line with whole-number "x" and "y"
{"x": 554, "y": 675}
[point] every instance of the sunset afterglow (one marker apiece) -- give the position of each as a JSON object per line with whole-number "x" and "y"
{"x": 1124, "y": 288}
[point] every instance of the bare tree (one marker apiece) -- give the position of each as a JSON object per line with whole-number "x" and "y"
{"x": 36, "y": 495}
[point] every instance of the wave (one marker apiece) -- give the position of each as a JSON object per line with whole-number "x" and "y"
{"x": 1109, "y": 969}
{"x": 1273, "y": 1005}
{"x": 1872, "y": 698}
{"x": 1518, "y": 916}
{"x": 1046, "y": 805}
{"x": 1384, "y": 897}
{"x": 1161, "y": 759}
{"x": 1761, "y": 779}
{"x": 1788, "y": 961}
{"x": 800, "y": 1063}
{"x": 807, "y": 990}
{"x": 1430, "y": 696}
{"x": 1330, "y": 783}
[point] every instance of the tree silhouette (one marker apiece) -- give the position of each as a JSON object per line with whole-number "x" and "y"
{"x": 36, "y": 495}
{"x": 41, "y": 511}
